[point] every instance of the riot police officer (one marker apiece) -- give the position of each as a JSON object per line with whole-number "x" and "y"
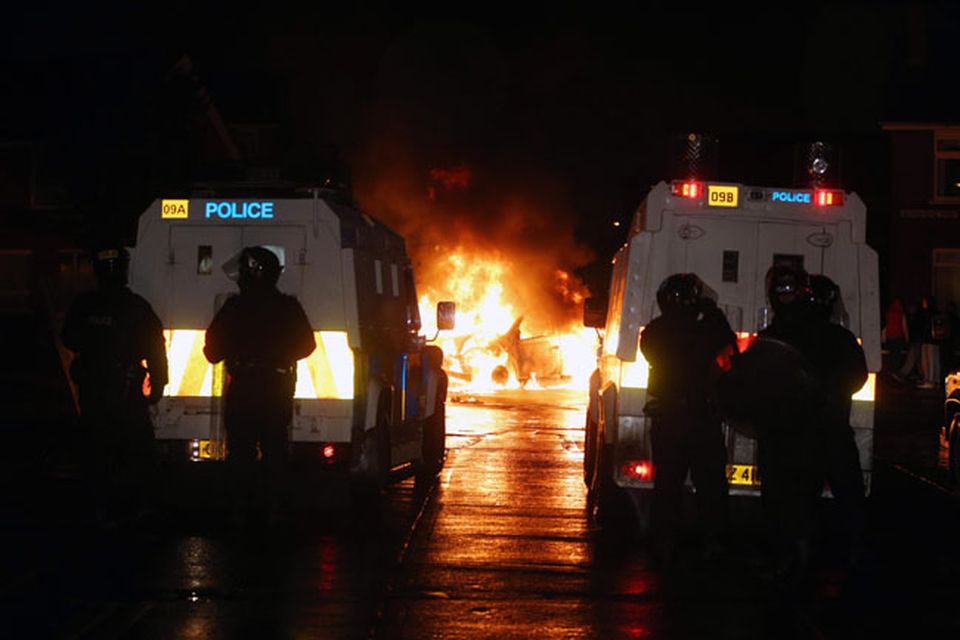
{"x": 120, "y": 366}
{"x": 840, "y": 363}
{"x": 681, "y": 346}
{"x": 791, "y": 415}
{"x": 260, "y": 334}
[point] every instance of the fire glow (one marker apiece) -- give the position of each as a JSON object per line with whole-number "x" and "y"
{"x": 492, "y": 347}
{"x": 500, "y": 243}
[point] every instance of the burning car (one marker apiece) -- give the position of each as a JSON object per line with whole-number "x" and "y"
{"x": 537, "y": 360}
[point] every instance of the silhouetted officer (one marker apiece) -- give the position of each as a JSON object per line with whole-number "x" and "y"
{"x": 841, "y": 366}
{"x": 260, "y": 334}
{"x": 789, "y": 428}
{"x": 682, "y": 346}
{"x": 118, "y": 342}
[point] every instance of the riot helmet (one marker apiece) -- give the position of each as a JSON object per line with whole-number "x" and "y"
{"x": 824, "y": 294}
{"x": 259, "y": 268}
{"x": 111, "y": 266}
{"x": 788, "y": 289}
{"x": 679, "y": 292}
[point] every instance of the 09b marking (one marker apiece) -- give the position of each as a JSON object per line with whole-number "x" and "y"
{"x": 722, "y": 196}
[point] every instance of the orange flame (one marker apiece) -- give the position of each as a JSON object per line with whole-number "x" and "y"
{"x": 499, "y": 243}
{"x": 489, "y": 349}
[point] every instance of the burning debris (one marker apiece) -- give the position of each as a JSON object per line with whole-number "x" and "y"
{"x": 535, "y": 361}
{"x": 504, "y": 254}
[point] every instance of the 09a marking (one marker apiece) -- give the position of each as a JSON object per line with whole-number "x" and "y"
{"x": 175, "y": 209}
{"x": 722, "y": 195}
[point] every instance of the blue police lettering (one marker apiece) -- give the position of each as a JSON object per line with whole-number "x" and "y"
{"x": 239, "y": 210}
{"x": 788, "y": 196}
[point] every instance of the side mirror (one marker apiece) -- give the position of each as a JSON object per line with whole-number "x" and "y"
{"x": 595, "y": 313}
{"x": 446, "y": 315}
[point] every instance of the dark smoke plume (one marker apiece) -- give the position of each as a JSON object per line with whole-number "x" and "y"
{"x": 483, "y": 211}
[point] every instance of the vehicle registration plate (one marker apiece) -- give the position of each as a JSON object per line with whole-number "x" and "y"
{"x": 208, "y": 450}
{"x": 743, "y": 474}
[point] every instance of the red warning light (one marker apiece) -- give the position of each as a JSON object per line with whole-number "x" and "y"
{"x": 329, "y": 451}
{"x": 827, "y": 197}
{"x": 638, "y": 469}
{"x": 687, "y": 189}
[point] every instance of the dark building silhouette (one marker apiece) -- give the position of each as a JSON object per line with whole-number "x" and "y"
{"x": 925, "y": 200}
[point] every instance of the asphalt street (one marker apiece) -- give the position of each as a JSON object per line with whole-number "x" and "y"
{"x": 500, "y": 546}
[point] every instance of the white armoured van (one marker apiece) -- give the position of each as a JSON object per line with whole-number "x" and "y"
{"x": 369, "y": 398}
{"x": 729, "y": 235}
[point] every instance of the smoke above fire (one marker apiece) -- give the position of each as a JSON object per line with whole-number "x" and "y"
{"x": 447, "y": 162}
{"x": 473, "y": 232}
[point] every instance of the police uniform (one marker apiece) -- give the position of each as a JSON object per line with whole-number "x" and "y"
{"x": 841, "y": 366}
{"x": 260, "y": 334}
{"x": 682, "y": 346}
{"x": 790, "y": 434}
{"x": 118, "y": 342}
{"x": 789, "y": 451}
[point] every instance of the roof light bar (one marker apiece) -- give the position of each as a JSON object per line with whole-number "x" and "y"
{"x": 687, "y": 189}
{"x": 828, "y": 197}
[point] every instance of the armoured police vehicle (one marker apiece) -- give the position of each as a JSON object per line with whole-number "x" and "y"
{"x": 729, "y": 235}
{"x": 369, "y": 399}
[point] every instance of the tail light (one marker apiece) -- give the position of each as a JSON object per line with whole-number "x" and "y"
{"x": 637, "y": 470}
{"x": 332, "y": 454}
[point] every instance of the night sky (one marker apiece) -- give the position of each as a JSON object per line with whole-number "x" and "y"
{"x": 556, "y": 104}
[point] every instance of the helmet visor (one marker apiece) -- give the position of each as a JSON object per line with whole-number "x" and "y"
{"x": 231, "y": 268}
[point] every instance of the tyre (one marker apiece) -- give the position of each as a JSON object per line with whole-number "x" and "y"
{"x": 591, "y": 430}
{"x": 434, "y": 445}
{"x": 603, "y": 496}
{"x": 375, "y": 453}
{"x": 955, "y": 449}
{"x": 382, "y": 441}
{"x": 589, "y": 449}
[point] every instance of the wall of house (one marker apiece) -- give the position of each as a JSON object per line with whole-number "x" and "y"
{"x": 919, "y": 223}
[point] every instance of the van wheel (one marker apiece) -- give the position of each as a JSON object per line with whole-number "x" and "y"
{"x": 365, "y": 488}
{"x": 955, "y": 449}
{"x": 434, "y": 446}
{"x": 603, "y": 493}
{"x": 381, "y": 434}
{"x": 589, "y": 450}
{"x": 375, "y": 450}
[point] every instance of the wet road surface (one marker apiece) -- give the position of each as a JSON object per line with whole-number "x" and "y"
{"x": 499, "y": 547}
